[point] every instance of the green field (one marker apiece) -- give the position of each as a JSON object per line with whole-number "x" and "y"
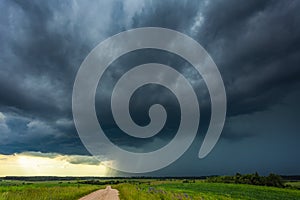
{"x": 16, "y": 190}
{"x": 294, "y": 184}
{"x": 203, "y": 190}
{"x": 145, "y": 189}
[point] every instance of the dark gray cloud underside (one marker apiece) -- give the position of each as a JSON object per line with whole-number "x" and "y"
{"x": 255, "y": 44}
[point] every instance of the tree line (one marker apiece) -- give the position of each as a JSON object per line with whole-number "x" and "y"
{"x": 253, "y": 179}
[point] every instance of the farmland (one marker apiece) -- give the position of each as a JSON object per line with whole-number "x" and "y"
{"x": 202, "y": 190}
{"x": 143, "y": 189}
{"x": 16, "y": 190}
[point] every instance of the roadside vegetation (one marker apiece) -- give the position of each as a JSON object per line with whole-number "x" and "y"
{"x": 16, "y": 190}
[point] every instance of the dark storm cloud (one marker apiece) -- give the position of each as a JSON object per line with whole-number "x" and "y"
{"x": 177, "y": 15}
{"x": 43, "y": 45}
{"x": 255, "y": 45}
{"x": 44, "y": 49}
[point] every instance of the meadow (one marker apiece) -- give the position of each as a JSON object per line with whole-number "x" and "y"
{"x": 199, "y": 189}
{"x": 17, "y": 190}
{"x": 294, "y": 184}
{"x": 145, "y": 189}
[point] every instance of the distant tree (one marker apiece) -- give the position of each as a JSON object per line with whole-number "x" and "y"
{"x": 274, "y": 180}
{"x": 253, "y": 179}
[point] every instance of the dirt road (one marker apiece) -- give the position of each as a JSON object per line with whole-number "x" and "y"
{"x": 105, "y": 194}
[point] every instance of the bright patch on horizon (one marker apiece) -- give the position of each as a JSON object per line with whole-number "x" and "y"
{"x": 39, "y": 164}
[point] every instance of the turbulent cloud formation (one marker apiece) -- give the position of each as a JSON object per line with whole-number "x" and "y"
{"x": 255, "y": 44}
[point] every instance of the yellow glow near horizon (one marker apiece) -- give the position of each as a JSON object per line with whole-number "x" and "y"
{"x": 60, "y": 165}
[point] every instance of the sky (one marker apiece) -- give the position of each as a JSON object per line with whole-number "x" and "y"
{"x": 255, "y": 45}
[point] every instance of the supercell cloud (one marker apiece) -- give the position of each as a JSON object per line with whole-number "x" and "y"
{"x": 255, "y": 44}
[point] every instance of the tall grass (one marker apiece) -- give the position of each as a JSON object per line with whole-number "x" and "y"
{"x": 168, "y": 190}
{"x": 141, "y": 192}
{"x": 42, "y": 191}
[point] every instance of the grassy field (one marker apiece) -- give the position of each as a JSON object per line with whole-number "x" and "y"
{"x": 144, "y": 189}
{"x": 16, "y": 190}
{"x": 294, "y": 184}
{"x": 202, "y": 190}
